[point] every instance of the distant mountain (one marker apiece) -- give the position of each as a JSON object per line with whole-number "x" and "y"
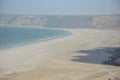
{"x": 107, "y": 21}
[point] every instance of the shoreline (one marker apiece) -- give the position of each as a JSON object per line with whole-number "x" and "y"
{"x": 5, "y": 52}
{"x": 66, "y": 33}
{"x": 66, "y": 58}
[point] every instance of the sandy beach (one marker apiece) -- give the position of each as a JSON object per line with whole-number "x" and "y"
{"x": 78, "y": 56}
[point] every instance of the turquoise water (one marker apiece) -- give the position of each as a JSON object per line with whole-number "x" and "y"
{"x": 16, "y": 36}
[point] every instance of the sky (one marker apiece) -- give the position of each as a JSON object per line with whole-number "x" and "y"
{"x": 60, "y": 7}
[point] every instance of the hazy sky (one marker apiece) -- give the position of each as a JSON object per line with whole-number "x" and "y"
{"x": 60, "y": 7}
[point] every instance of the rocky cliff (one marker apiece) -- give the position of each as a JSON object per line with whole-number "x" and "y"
{"x": 110, "y": 21}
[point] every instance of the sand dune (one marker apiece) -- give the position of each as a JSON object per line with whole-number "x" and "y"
{"x": 75, "y": 57}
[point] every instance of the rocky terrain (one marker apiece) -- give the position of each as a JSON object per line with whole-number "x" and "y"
{"x": 56, "y": 21}
{"x": 115, "y": 58}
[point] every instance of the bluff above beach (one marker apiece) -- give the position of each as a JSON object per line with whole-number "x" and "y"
{"x": 62, "y": 21}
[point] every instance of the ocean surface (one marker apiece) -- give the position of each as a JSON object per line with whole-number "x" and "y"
{"x": 16, "y": 36}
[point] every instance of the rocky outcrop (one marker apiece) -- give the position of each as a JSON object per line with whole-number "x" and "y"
{"x": 115, "y": 58}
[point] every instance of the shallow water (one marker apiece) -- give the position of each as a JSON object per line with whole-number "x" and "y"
{"x": 15, "y": 36}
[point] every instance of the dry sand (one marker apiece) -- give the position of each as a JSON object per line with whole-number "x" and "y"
{"x": 75, "y": 57}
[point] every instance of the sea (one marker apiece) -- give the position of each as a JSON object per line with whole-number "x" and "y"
{"x": 18, "y": 36}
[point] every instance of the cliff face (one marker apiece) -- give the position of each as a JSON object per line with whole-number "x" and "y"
{"x": 62, "y": 21}
{"x": 21, "y": 20}
{"x": 106, "y": 21}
